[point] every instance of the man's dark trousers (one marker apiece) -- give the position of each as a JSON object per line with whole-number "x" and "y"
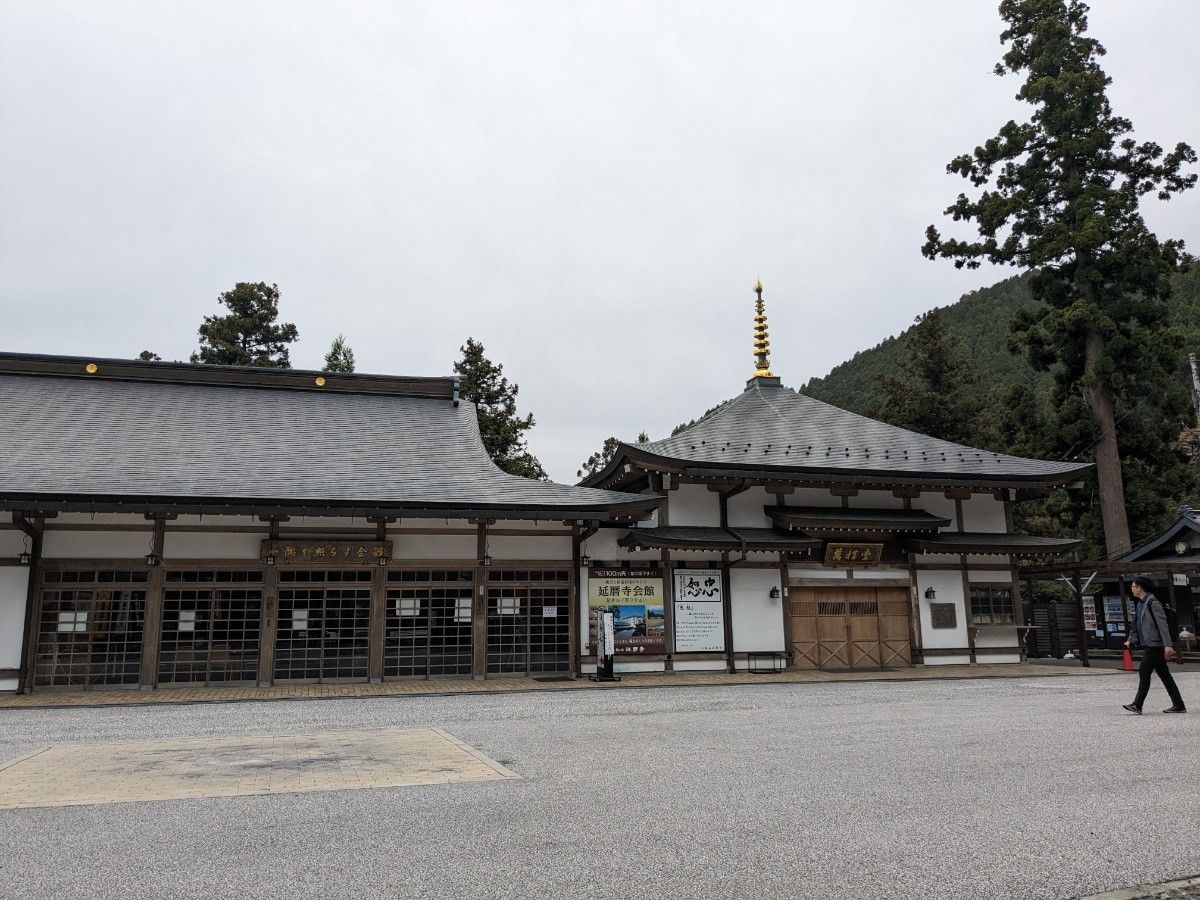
{"x": 1154, "y": 659}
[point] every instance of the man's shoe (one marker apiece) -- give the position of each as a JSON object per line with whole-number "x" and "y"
{"x": 1133, "y": 709}
{"x": 1176, "y": 709}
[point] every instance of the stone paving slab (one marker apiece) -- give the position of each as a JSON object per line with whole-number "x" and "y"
{"x": 1183, "y": 889}
{"x": 88, "y": 774}
{"x": 449, "y": 686}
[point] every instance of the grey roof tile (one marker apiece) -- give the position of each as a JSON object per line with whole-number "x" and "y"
{"x": 771, "y": 427}
{"x": 92, "y": 437}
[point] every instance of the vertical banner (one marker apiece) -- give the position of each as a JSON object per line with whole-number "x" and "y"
{"x": 602, "y": 628}
{"x": 699, "y": 611}
{"x": 635, "y": 598}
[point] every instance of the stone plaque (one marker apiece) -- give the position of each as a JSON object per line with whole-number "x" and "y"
{"x": 943, "y": 615}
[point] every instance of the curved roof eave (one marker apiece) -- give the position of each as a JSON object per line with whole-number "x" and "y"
{"x": 627, "y": 453}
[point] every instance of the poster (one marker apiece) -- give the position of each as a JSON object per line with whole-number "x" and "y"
{"x": 1089, "y": 613}
{"x": 635, "y": 598}
{"x": 699, "y": 611}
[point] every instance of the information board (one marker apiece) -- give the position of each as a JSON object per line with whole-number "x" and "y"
{"x": 699, "y": 609}
{"x": 635, "y": 598}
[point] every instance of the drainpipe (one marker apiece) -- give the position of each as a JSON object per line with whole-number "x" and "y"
{"x": 723, "y": 498}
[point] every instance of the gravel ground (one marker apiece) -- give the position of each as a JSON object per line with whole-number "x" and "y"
{"x": 1039, "y": 787}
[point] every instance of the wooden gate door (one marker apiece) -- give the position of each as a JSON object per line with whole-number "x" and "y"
{"x": 841, "y": 627}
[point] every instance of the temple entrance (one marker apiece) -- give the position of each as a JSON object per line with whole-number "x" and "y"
{"x": 428, "y": 631}
{"x": 528, "y": 626}
{"x": 849, "y": 627}
{"x": 324, "y": 624}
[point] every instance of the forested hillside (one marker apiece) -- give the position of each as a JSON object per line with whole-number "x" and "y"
{"x": 979, "y": 323}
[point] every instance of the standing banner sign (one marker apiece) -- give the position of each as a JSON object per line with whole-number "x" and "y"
{"x": 602, "y": 627}
{"x": 699, "y": 611}
{"x": 635, "y": 599}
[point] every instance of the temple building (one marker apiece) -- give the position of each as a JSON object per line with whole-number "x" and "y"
{"x": 167, "y": 524}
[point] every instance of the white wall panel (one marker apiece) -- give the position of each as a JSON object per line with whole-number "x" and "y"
{"x": 529, "y": 547}
{"x": 12, "y": 542}
{"x": 940, "y": 505}
{"x": 812, "y": 497}
{"x": 876, "y": 500}
{"x": 96, "y": 544}
{"x": 948, "y": 588}
{"x": 693, "y": 504}
{"x": 757, "y": 618}
{"x": 433, "y": 546}
{"x": 982, "y": 512}
{"x": 179, "y": 545}
{"x": 746, "y": 509}
{"x": 14, "y": 583}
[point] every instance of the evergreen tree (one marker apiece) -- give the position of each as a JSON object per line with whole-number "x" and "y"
{"x": 340, "y": 357}
{"x": 1061, "y": 198}
{"x": 149, "y": 356}
{"x": 933, "y": 397}
{"x": 482, "y": 382}
{"x": 604, "y": 455}
{"x": 248, "y": 334}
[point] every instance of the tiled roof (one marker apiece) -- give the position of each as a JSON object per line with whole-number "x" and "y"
{"x": 833, "y": 519}
{"x": 699, "y": 537}
{"x": 989, "y": 542}
{"x": 93, "y": 439}
{"x": 771, "y": 428}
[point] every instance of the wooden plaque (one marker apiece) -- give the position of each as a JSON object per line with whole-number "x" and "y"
{"x": 943, "y": 615}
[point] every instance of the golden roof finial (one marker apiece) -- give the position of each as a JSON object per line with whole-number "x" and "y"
{"x": 762, "y": 344}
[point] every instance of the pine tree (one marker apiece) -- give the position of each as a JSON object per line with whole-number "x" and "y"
{"x": 1061, "y": 198}
{"x": 149, "y": 356}
{"x": 340, "y": 357}
{"x": 247, "y": 335}
{"x": 934, "y": 396}
{"x": 604, "y": 455}
{"x": 482, "y": 382}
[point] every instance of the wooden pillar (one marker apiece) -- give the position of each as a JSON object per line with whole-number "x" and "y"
{"x": 573, "y": 614}
{"x": 1083, "y": 647}
{"x": 727, "y": 611}
{"x": 378, "y": 615}
{"x": 914, "y": 602}
{"x": 480, "y": 614}
{"x": 668, "y": 571}
{"x": 966, "y": 584}
{"x": 268, "y": 627}
{"x": 28, "y": 665}
{"x": 152, "y": 622}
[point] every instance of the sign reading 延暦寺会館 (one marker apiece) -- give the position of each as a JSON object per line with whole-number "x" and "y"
{"x": 699, "y": 620}
{"x": 342, "y": 553}
{"x": 635, "y": 598}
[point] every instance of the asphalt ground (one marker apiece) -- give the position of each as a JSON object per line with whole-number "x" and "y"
{"x": 1035, "y": 787}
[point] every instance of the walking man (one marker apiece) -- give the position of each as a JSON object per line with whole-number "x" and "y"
{"x": 1150, "y": 632}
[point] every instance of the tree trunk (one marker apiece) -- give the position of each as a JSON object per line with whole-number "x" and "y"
{"x": 1108, "y": 457}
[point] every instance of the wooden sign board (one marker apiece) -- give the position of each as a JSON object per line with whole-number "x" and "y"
{"x": 337, "y": 553}
{"x": 943, "y": 615}
{"x": 852, "y": 554}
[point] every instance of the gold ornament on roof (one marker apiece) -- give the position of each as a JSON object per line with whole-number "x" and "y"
{"x": 762, "y": 343}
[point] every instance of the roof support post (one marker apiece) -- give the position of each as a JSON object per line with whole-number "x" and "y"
{"x": 33, "y": 529}
{"x": 153, "y": 620}
{"x": 575, "y": 617}
{"x": 726, "y": 579}
{"x": 480, "y": 616}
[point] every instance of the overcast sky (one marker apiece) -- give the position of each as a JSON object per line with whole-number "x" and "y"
{"x": 588, "y": 189}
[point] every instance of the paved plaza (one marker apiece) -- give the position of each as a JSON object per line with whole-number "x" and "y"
{"x": 1028, "y": 787}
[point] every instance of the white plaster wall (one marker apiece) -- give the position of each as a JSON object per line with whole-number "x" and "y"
{"x": 757, "y": 619}
{"x": 435, "y": 546}
{"x": 501, "y": 546}
{"x": 693, "y": 504}
{"x": 746, "y": 509}
{"x": 876, "y": 500}
{"x": 12, "y": 541}
{"x": 14, "y": 582}
{"x": 997, "y": 637}
{"x": 940, "y": 505}
{"x": 948, "y": 588}
{"x": 603, "y": 546}
{"x": 977, "y": 577}
{"x": 982, "y": 512}
{"x": 698, "y": 665}
{"x": 96, "y": 544}
{"x": 180, "y": 545}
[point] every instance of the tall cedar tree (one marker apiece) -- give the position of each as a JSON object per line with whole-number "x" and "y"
{"x": 482, "y": 382}
{"x": 1062, "y": 200}
{"x": 604, "y": 455}
{"x": 934, "y": 396}
{"x": 340, "y": 357}
{"x": 248, "y": 334}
